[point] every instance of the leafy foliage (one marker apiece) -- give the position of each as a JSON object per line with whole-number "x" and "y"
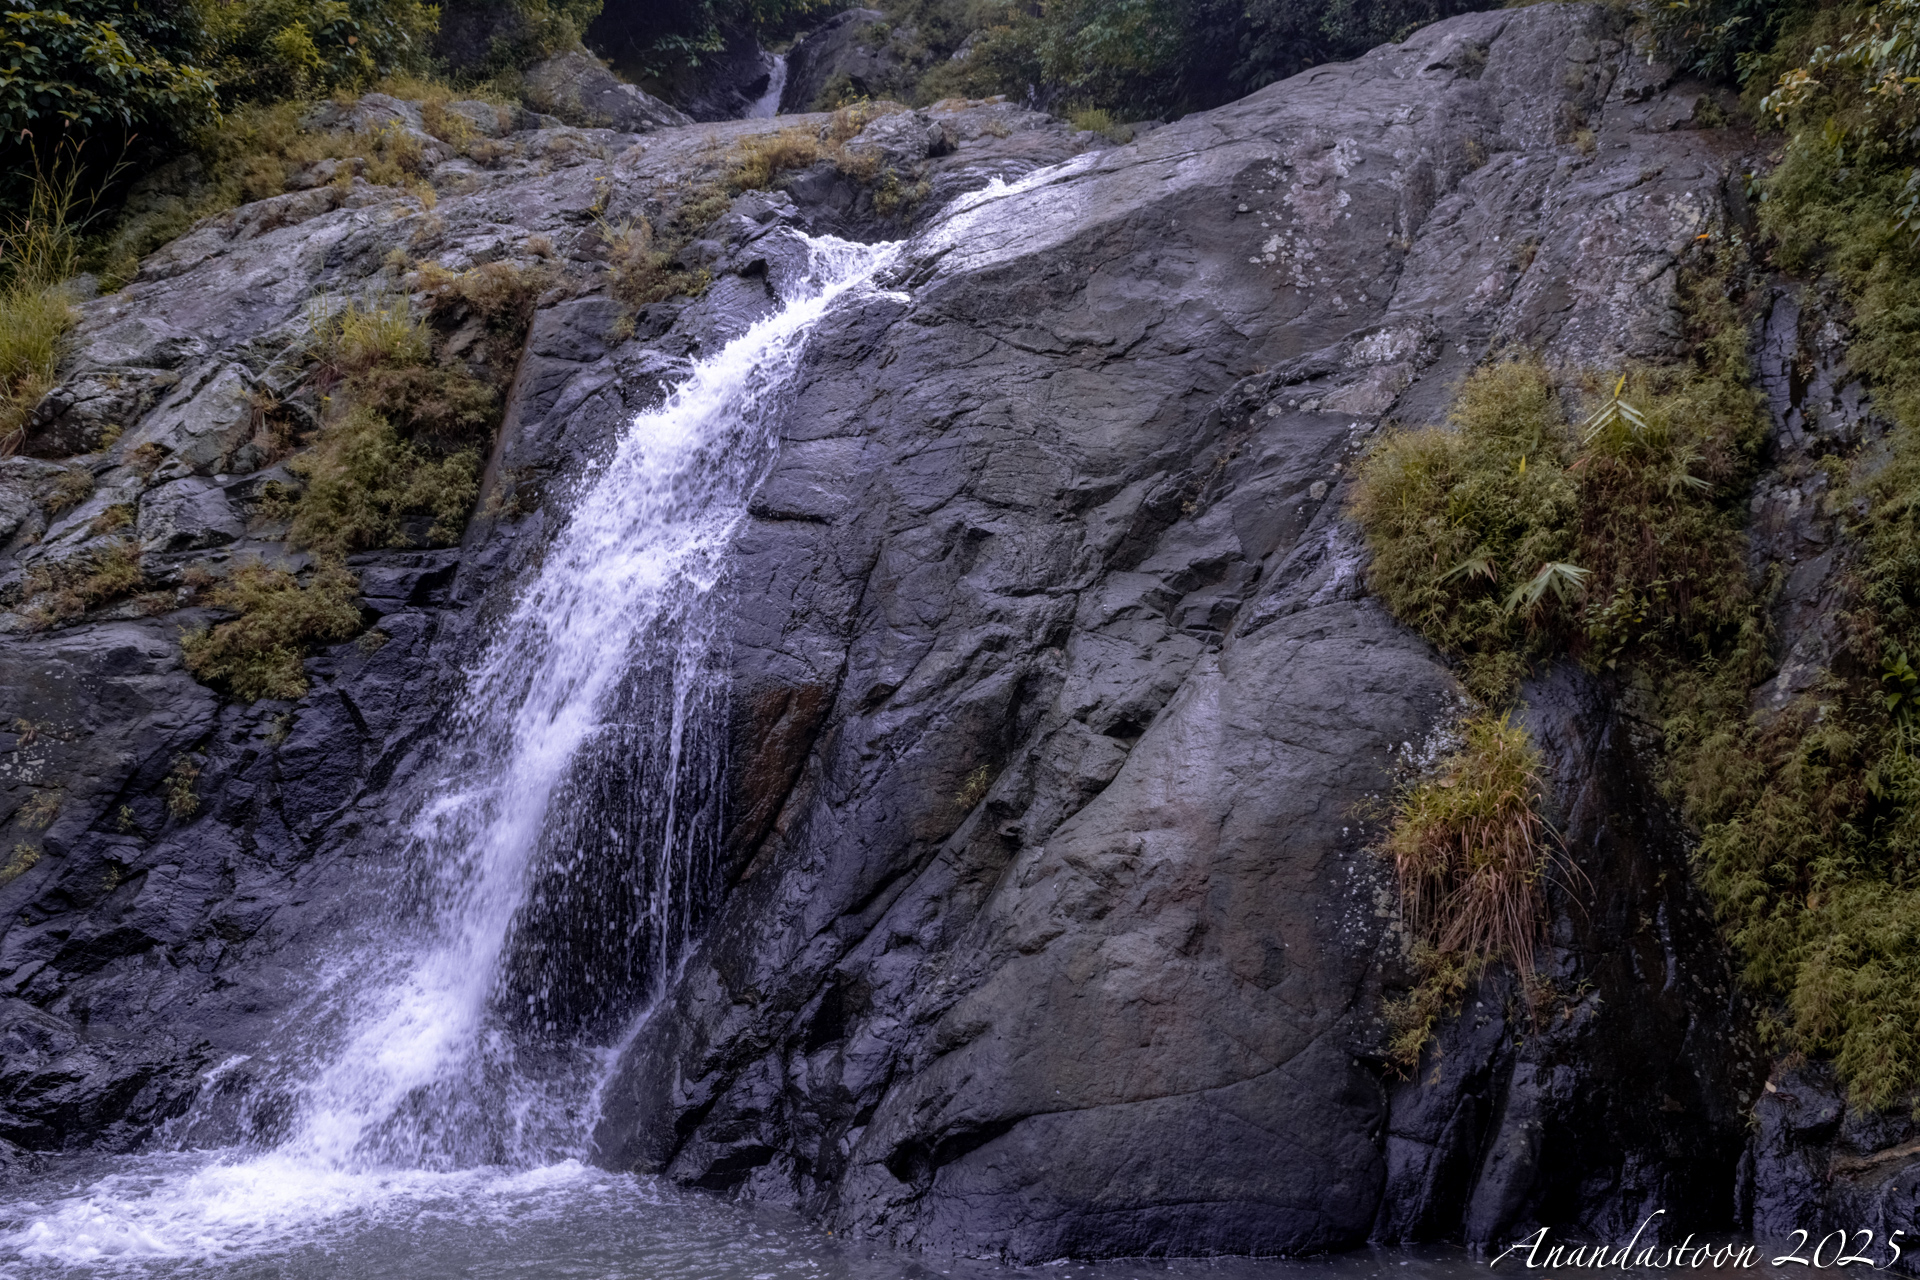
{"x": 269, "y": 50}
{"x": 99, "y": 68}
{"x": 1810, "y": 816}
{"x": 1717, "y": 38}
{"x": 1858, "y": 97}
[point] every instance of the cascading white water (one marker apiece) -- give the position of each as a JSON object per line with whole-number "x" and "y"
{"x": 768, "y": 103}
{"x": 624, "y": 592}
{"x": 443, "y": 1053}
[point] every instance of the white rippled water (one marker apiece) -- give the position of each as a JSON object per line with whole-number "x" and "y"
{"x": 196, "y": 1215}
{"x": 444, "y": 1079}
{"x": 429, "y": 1071}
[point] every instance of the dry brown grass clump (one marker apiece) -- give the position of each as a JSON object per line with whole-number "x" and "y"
{"x": 1471, "y": 851}
{"x": 503, "y": 294}
{"x": 643, "y": 273}
{"x": 1470, "y": 847}
{"x": 58, "y": 593}
{"x": 757, "y": 161}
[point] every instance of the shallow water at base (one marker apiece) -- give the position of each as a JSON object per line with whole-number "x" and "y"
{"x": 256, "y": 1217}
{"x": 260, "y": 1218}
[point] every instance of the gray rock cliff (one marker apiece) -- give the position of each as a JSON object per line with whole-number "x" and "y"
{"x": 1064, "y": 937}
{"x": 1049, "y": 923}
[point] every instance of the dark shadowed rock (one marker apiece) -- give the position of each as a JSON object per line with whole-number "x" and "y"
{"x": 841, "y": 50}
{"x": 732, "y": 81}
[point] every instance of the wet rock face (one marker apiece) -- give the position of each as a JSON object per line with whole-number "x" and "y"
{"x": 1820, "y": 1165}
{"x": 1065, "y": 938}
{"x": 578, "y": 90}
{"x": 731, "y": 82}
{"x": 1057, "y": 699}
{"x": 841, "y": 51}
{"x": 159, "y": 920}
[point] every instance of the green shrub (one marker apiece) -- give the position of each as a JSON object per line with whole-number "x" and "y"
{"x": 1457, "y": 516}
{"x": 501, "y": 293}
{"x": 404, "y": 435}
{"x": 1512, "y": 534}
{"x": 366, "y": 335}
{"x": 1442, "y": 978}
{"x": 251, "y": 154}
{"x": 260, "y": 654}
{"x": 1520, "y": 533}
{"x": 518, "y": 33}
{"x": 271, "y": 50}
{"x": 446, "y": 408}
{"x": 99, "y": 70}
{"x": 664, "y": 40}
{"x": 364, "y": 481}
{"x": 1099, "y": 120}
{"x": 1809, "y": 817}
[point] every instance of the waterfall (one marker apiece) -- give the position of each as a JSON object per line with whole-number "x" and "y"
{"x": 767, "y": 104}
{"x": 446, "y": 1069}
{"x": 563, "y": 855}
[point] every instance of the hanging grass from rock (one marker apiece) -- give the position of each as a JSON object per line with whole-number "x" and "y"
{"x": 1471, "y": 851}
{"x": 1470, "y": 847}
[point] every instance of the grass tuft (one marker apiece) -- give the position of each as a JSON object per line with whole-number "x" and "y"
{"x": 1470, "y": 848}
{"x": 24, "y": 856}
{"x": 261, "y": 653}
{"x": 38, "y": 252}
{"x": 56, "y": 593}
{"x": 182, "y": 799}
{"x": 38, "y": 813}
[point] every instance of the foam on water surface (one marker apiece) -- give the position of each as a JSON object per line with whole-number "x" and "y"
{"x": 217, "y": 1217}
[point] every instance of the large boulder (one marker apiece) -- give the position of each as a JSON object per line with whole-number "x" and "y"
{"x": 849, "y": 53}
{"x": 577, "y": 89}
